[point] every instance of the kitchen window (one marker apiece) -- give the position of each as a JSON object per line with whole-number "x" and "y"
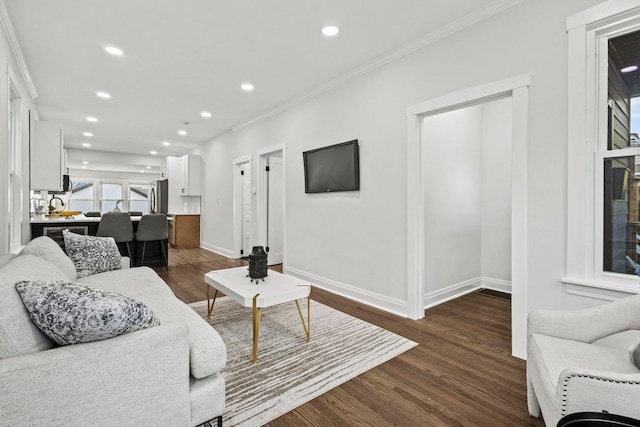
{"x": 81, "y": 198}
{"x": 139, "y": 198}
{"x": 111, "y": 198}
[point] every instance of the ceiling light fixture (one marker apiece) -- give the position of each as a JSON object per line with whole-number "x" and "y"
{"x": 182, "y": 132}
{"x": 92, "y": 119}
{"x": 85, "y": 162}
{"x": 104, "y": 95}
{"x": 205, "y": 114}
{"x": 148, "y": 167}
{"x": 86, "y": 144}
{"x": 330, "y": 30}
{"x": 166, "y": 143}
{"x": 629, "y": 69}
{"x": 153, "y": 152}
{"x": 114, "y": 50}
{"x": 87, "y": 134}
{"x": 247, "y": 87}
{"x": 84, "y": 167}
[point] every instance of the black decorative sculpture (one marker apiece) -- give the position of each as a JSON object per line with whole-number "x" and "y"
{"x": 257, "y": 264}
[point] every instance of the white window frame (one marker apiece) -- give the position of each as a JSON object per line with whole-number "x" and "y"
{"x": 589, "y": 32}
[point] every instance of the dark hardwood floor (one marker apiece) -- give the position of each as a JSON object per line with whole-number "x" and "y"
{"x": 461, "y": 373}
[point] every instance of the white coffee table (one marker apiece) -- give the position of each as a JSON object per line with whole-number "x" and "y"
{"x": 277, "y": 288}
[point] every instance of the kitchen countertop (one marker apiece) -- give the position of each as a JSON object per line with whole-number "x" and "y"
{"x": 41, "y": 219}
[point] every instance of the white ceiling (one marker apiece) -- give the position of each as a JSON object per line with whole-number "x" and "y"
{"x": 183, "y": 57}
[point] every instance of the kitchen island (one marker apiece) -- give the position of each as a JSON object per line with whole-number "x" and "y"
{"x": 52, "y": 226}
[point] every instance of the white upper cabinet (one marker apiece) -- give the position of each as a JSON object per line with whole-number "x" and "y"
{"x": 163, "y": 169}
{"x": 191, "y": 175}
{"x": 47, "y": 162}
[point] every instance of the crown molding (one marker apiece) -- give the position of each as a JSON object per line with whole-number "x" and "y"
{"x": 5, "y": 20}
{"x": 453, "y": 27}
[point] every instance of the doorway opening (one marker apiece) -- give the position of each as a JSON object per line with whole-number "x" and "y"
{"x": 271, "y": 203}
{"x": 517, "y": 89}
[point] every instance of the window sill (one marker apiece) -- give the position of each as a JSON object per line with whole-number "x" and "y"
{"x": 608, "y": 291}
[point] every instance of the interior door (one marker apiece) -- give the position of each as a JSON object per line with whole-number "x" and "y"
{"x": 246, "y": 209}
{"x": 275, "y": 209}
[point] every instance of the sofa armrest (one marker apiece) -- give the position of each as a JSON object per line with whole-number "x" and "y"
{"x": 125, "y": 262}
{"x": 588, "y": 324}
{"x": 140, "y": 378}
{"x": 582, "y": 390}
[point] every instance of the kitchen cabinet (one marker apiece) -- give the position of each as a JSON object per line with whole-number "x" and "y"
{"x": 163, "y": 168}
{"x": 184, "y": 230}
{"x": 191, "y": 175}
{"x": 47, "y": 159}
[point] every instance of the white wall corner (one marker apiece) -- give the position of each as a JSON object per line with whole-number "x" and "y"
{"x": 391, "y": 305}
{"x": 451, "y": 292}
{"x": 495, "y": 284}
{"x": 217, "y": 249}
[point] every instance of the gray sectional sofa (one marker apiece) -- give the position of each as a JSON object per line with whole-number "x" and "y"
{"x": 167, "y": 375}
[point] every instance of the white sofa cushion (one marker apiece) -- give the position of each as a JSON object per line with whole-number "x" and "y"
{"x": 18, "y": 334}
{"x": 207, "y": 351}
{"x": 46, "y": 248}
{"x": 71, "y": 313}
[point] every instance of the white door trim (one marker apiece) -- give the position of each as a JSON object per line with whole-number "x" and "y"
{"x": 261, "y": 233}
{"x": 237, "y": 203}
{"x": 518, "y": 89}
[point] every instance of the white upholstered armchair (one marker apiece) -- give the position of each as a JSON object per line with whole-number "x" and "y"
{"x": 567, "y": 373}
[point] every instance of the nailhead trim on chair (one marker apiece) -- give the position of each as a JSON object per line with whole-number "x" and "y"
{"x": 565, "y": 384}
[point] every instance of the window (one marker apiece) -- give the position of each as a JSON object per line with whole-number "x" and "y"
{"x": 604, "y": 149}
{"x": 111, "y": 198}
{"x": 81, "y": 197}
{"x": 139, "y": 198}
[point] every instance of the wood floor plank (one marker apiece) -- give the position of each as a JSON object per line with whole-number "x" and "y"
{"x": 461, "y": 373}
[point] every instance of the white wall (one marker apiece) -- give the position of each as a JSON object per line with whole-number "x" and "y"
{"x": 495, "y": 210}
{"x": 452, "y": 165}
{"x": 356, "y": 243}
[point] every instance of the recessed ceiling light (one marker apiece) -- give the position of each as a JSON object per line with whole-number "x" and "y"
{"x": 166, "y": 143}
{"x": 104, "y": 95}
{"x": 86, "y": 144}
{"x": 92, "y": 119}
{"x": 85, "y": 162}
{"x": 153, "y": 152}
{"x": 330, "y": 30}
{"x": 182, "y": 132}
{"x": 148, "y": 167}
{"x": 114, "y": 50}
{"x": 205, "y": 114}
{"x": 87, "y": 134}
{"x": 247, "y": 87}
{"x": 141, "y": 170}
{"x": 84, "y": 167}
{"x": 629, "y": 69}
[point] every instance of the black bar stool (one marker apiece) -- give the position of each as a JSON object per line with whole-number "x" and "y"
{"x": 153, "y": 228}
{"x": 117, "y": 225}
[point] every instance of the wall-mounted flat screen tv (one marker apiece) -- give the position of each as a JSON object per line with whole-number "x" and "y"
{"x": 332, "y": 168}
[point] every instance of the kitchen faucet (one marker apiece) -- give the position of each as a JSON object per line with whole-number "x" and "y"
{"x": 51, "y": 206}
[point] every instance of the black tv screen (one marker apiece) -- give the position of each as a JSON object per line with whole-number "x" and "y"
{"x": 332, "y": 168}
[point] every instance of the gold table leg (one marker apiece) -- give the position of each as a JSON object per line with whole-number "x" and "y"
{"x": 307, "y": 326}
{"x": 210, "y": 303}
{"x": 256, "y": 327}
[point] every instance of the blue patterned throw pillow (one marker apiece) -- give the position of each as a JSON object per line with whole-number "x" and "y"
{"x": 91, "y": 254}
{"x": 71, "y": 313}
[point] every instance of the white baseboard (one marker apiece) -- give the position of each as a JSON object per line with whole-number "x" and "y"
{"x": 457, "y": 290}
{"x": 216, "y": 249}
{"x": 391, "y": 305}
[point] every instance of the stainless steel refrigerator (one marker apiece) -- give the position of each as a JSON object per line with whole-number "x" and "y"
{"x": 159, "y": 196}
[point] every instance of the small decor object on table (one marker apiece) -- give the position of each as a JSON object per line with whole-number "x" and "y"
{"x": 257, "y": 264}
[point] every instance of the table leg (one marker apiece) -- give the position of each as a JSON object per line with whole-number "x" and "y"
{"x": 256, "y": 327}
{"x": 307, "y": 327}
{"x": 210, "y": 303}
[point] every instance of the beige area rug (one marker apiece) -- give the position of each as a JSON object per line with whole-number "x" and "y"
{"x": 291, "y": 371}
